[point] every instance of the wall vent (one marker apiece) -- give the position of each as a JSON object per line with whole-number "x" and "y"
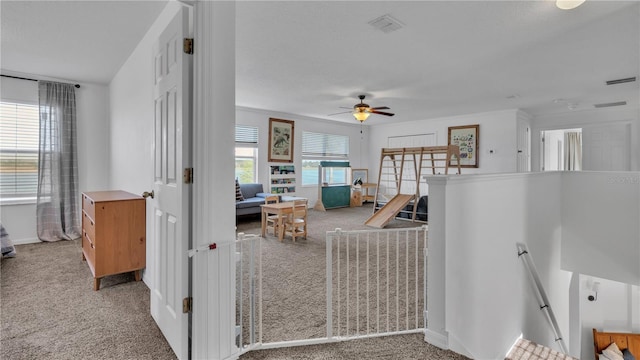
{"x": 621, "y": 81}
{"x": 386, "y": 23}
{"x": 618, "y": 103}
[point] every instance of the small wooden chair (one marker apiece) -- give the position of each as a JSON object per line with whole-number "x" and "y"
{"x": 296, "y": 222}
{"x": 272, "y": 220}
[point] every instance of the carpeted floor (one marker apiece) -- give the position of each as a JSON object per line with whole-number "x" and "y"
{"x": 294, "y": 285}
{"x": 294, "y": 292}
{"x": 49, "y": 310}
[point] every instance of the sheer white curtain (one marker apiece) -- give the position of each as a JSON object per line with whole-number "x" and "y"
{"x": 572, "y": 150}
{"x": 57, "y": 204}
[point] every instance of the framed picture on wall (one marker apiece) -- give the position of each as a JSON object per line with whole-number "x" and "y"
{"x": 466, "y": 138}
{"x": 280, "y": 140}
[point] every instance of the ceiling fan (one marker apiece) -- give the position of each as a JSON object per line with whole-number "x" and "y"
{"x": 362, "y": 111}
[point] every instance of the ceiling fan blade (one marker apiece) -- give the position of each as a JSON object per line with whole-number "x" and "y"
{"x": 381, "y": 108}
{"x": 381, "y": 112}
{"x": 344, "y": 107}
{"x": 342, "y": 112}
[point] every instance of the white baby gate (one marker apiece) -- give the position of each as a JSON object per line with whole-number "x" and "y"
{"x": 376, "y": 287}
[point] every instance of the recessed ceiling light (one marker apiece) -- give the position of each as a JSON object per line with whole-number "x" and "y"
{"x": 568, "y": 4}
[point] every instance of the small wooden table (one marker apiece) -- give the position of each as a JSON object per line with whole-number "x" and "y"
{"x": 279, "y": 209}
{"x": 365, "y": 191}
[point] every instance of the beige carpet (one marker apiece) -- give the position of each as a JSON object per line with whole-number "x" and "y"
{"x": 49, "y": 310}
{"x": 294, "y": 295}
{"x": 294, "y": 285}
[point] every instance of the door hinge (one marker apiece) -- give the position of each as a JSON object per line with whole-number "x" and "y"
{"x": 187, "y": 304}
{"x": 187, "y": 176}
{"x": 187, "y": 45}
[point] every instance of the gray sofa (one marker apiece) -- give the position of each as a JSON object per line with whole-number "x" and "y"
{"x": 253, "y": 198}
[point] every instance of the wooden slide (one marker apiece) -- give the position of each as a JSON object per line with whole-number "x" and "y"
{"x": 382, "y": 217}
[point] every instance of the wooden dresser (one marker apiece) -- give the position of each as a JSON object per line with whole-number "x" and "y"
{"x": 113, "y": 233}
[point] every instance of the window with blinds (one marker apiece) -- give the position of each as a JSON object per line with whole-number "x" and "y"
{"x": 19, "y": 126}
{"x": 246, "y": 136}
{"x": 326, "y": 146}
{"x": 246, "y": 154}
{"x": 317, "y": 147}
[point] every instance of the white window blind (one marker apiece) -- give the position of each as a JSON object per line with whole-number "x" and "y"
{"x": 246, "y": 135}
{"x": 246, "y": 153}
{"x": 19, "y": 127}
{"x": 317, "y": 145}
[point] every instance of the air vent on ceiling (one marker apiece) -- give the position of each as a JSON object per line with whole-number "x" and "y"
{"x": 621, "y": 81}
{"x": 618, "y": 103}
{"x": 386, "y": 23}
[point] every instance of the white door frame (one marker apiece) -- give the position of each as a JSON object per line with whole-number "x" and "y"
{"x": 213, "y": 268}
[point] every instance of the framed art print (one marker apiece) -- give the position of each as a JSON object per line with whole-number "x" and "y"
{"x": 280, "y": 140}
{"x": 466, "y": 138}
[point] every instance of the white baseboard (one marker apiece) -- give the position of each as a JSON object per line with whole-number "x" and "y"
{"x": 25, "y": 241}
{"x": 437, "y": 339}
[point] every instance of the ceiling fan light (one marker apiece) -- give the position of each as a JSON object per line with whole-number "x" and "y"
{"x": 568, "y": 4}
{"x": 361, "y": 115}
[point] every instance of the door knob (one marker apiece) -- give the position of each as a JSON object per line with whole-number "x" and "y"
{"x": 146, "y": 194}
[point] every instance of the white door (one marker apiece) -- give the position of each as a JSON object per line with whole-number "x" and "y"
{"x": 169, "y": 219}
{"x": 606, "y": 147}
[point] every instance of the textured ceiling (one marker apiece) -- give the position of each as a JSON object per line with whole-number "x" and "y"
{"x": 450, "y": 58}
{"x": 313, "y": 57}
{"x": 85, "y": 41}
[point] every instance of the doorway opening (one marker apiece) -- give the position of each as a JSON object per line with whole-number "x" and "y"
{"x": 561, "y": 149}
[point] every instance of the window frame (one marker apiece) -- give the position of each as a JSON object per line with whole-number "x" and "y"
{"x": 246, "y": 137}
{"x": 18, "y": 198}
{"x": 326, "y": 154}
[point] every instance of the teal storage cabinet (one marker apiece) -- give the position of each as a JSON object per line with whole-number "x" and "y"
{"x": 334, "y": 185}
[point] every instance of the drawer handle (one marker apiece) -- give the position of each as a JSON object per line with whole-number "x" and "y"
{"x": 92, "y": 223}
{"x": 91, "y": 202}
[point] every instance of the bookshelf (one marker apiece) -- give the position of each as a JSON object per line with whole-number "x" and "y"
{"x": 282, "y": 179}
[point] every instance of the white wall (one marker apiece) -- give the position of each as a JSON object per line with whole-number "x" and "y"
{"x": 586, "y": 118}
{"x": 488, "y": 301}
{"x": 92, "y": 114}
{"x": 93, "y": 137}
{"x": 482, "y": 301}
{"x": 132, "y": 119}
{"x": 497, "y": 133}
{"x": 260, "y": 119}
{"x": 601, "y": 230}
{"x": 132, "y": 113}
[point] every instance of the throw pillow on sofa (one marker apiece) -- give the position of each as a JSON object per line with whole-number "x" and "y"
{"x": 239, "y": 196}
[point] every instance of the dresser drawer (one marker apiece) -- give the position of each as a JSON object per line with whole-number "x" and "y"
{"x": 89, "y": 250}
{"x": 89, "y": 206}
{"x": 88, "y": 225}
